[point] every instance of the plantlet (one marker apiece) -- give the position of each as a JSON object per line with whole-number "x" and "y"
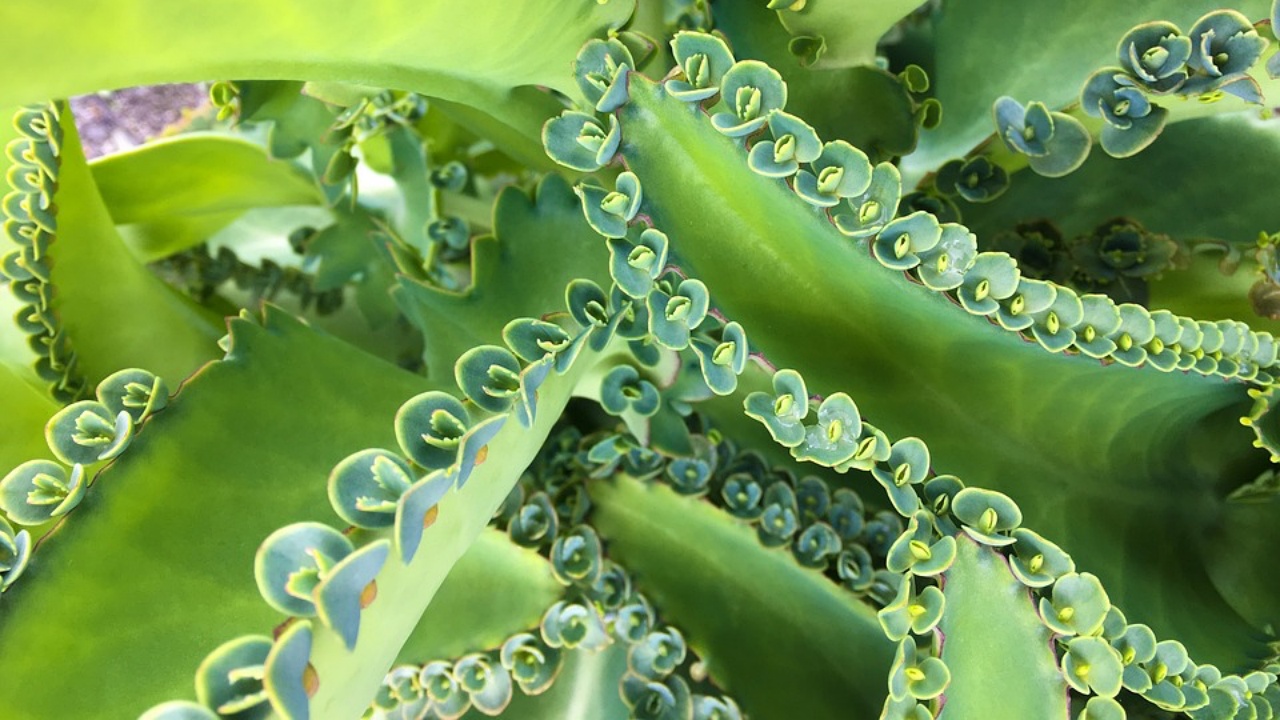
{"x": 675, "y": 360}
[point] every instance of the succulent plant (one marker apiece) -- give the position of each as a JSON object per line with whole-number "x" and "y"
{"x": 664, "y": 359}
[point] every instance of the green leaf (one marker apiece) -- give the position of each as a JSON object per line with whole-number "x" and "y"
{"x": 1244, "y": 151}
{"x": 1248, "y": 526}
{"x": 387, "y": 44}
{"x": 175, "y": 192}
{"x": 22, "y": 422}
{"x": 996, "y": 647}
{"x": 495, "y": 590}
{"x": 538, "y": 245}
{"x": 116, "y": 313}
{"x": 138, "y": 544}
{"x": 847, "y": 32}
{"x": 731, "y": 582}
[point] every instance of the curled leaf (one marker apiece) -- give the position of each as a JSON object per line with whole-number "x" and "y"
{"x": 742, "y": 495}
{"x": 783, "y": 413}
{"x": 623, "y": 390}
{"x": 609, "y": 212}
{"x": 1054, "y": 327}
{"x": 653, "y": 700}
{"x": 906, "y": 466}
{"x": 658, "y": 655}
{"x": 1224, "y": 45}
{"x": 475, "y": 447}
{"x": 1135, "y": 332}
{"x": 703, "y": 59}
{"x": 487, "y": 681}
{"x": 912, "y": 613}
{"x": 293, "y": 560}
{"x": 15, "y": 552}
{"x": 873, "y": 447}
{"x": 986, "y": 515}
{"x": 579, "y": 142}
{"x": 1036, "y": 562}
{"x": 1100, "y": 320}
{"x": 845, "y": 513}
{"x": 289, "y": 678}
{"x": 571, "y": 626}
{"x": 1156, "y": 53}
{"x": 365, "y": 487}
{"x": 349, "y": 588}
{"x": 900, "y": 243}
{"x": 87, "y": 432}
{"x": 840, "y": 171}
{"x": 535, "y": 522}
{"x": 1132, "y": 121}
{"x": 794, "y": 142}
{"x": 417, "y": 511}
{"x": 915, "y": 675}
{"x": 780, "y": 518}
{"x": 489, "y": 375}
{"x": 721, "y": 363}
{"x": 230, "y": 678}
{"x": 689, "y": 476}
{"x": 1055, "y": 143}
{"x": 1102, "y": 708}
{"x": 634, "y": 621}
{"x": 611, "y": 588}
{"x": 1092, "y": 665}
{"x": 1078, "y": 605}
{"x": 750, "y": 90}
{"x": 401, "y": 697}
{"x": 816, "y": 545}
{"x": 834, "y": 438}
{"x": 919, "y": 550}
{"x": 943, "y": 266}
{"x": 448, "y": 699}
{"x": 577, "y": 556}
{"x": 600, "y": 70}
{"x": 450, "y": 231}
{"x": 874, "y": 208}
{"x": 710, "y": 708}
{"x": 532, "y": 339}
{"x": 673, "y": 315}
{"x": 590, "y": 308}
{"x": 636, "y": 264}
{"x": 136, "y": 392}
{"x": 39, "y": 490}
{"x": 993, "y": 277}
{"x": 429, "y": 428}
{"x": 813, "y": 498}
{"x": 532, "y": 663}
{"x": 976, "y": 180}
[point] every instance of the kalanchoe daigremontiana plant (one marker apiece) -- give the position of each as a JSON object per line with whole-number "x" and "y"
{"x": 646, "y": 357}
